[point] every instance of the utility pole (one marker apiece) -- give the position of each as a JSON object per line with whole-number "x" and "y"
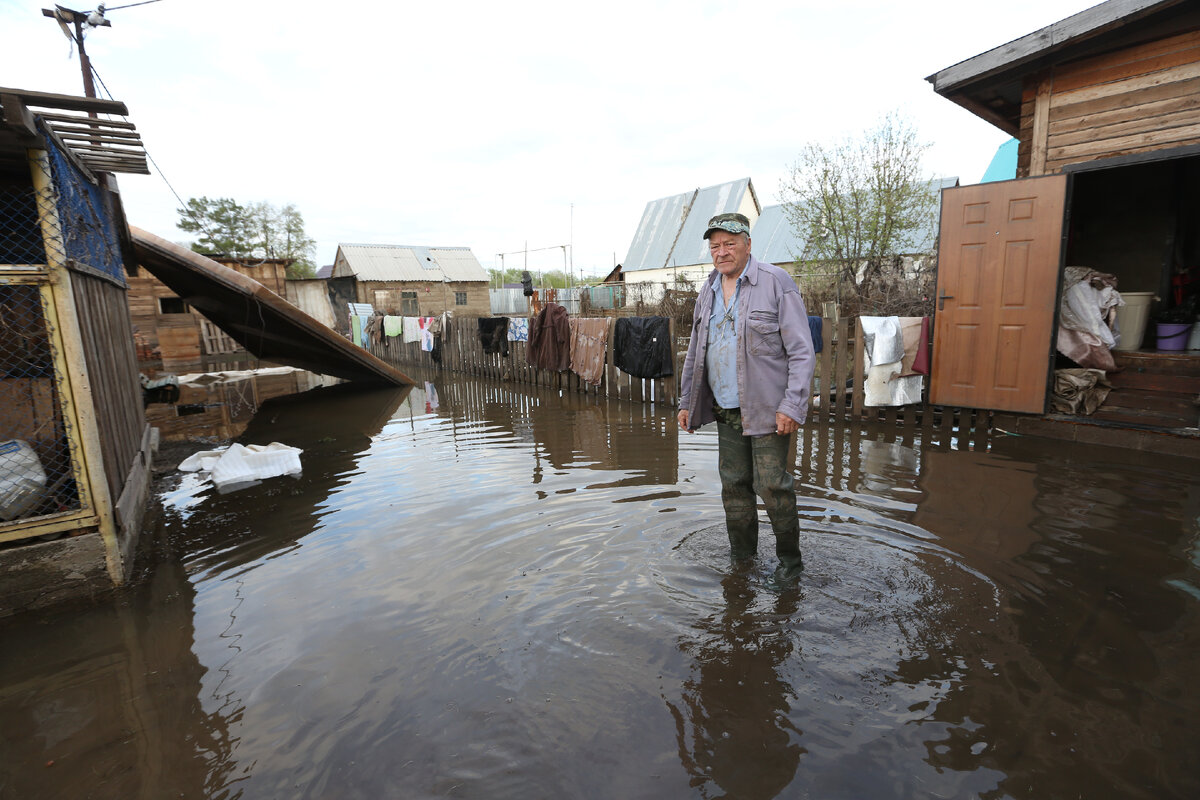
{"x": 94, "y": 19}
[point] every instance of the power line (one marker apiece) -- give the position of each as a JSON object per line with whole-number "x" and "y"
{"x": 131, "y": 5}
{"x": 183, "y": 205}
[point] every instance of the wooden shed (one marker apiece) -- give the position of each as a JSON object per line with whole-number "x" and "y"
{"x": 414, "y": 281}
{"x": 1106, "y": 107}
{"x": 173, "y": 338}
{"x": 75, "y": 448}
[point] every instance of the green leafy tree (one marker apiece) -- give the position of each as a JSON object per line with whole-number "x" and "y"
{"x": 224, "y": 226}
{"x": 296, "y": 244}
{"x": 255, "y": 230}
{"x": 861, "y": 202}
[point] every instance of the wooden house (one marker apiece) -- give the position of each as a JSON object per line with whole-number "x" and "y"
{"x": 1106, "y": 107}
{"x": 174, "y": 338}
{"x": 412, "y": 281}
{"x": 75, "y": 448}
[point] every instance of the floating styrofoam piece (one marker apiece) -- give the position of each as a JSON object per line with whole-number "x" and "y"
{"x": 245, "y": 464}
{"x": 202, "y": 461}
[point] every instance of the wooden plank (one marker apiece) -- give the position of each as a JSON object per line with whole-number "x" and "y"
{"x": 1151, "y": 140}
{"x": 842, "y": 370}
{"x": 1041, "y": 126}
{"x": 1108, "y": 116}
{"x": 1139, "y": 83}
{"x": 670, "y": 385}
{"x": 1147, "y": 125}
{"x": 946, "y": 426}
{"x": 68, "y": 102}
{"x": 130, "y": 503}
{"x": 1131, "y": 99}
{"x": 101, "y": 137}
{"x": 860, "y": 370}
{"x": 85, "y": 122}
{"x": 827, "y": 377}
{"x": 981, "y": 427}
{"x": 1125, "y": 65}
{"x": 1159, "y": 54}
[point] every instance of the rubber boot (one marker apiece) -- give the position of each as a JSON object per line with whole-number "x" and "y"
{"x": 736, "y": 468}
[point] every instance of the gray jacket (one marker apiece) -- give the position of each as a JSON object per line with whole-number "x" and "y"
{"x": 775, "y": 359}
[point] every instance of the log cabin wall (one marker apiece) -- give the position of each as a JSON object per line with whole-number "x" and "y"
{"x": 173, "y": 338}
{"x": 1132, "y": 100}
{"x": 431, "y": 298}
{"x": 270, "y": 272}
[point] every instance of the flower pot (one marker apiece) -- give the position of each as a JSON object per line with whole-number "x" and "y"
{"x": 1172, "y": 335}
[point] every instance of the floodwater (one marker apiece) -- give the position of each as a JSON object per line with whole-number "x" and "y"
{"x": 484, "y": 591}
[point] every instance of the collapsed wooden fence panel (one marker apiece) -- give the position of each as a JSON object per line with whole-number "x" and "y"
{"x": 838, "y": 398}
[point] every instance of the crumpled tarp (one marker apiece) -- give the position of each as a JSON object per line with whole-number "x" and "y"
{"x": 1086, "y": 317}
{"x": 239, "y": 466}
{"x": 1079, "y": 391}
{"x": 890, "y": 346}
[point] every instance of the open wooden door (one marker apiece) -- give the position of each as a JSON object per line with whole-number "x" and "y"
{"x": 998, "y": 269}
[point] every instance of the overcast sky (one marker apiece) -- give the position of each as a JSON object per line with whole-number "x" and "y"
{"x": 506, "y": 126}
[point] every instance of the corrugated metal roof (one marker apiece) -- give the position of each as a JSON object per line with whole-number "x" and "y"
{"x": 394, "y": 263}
{"x": 459, "y": 264}
{"x": 773, "y": 240}
{"x": 657, "y": 231}
{"x": 671, "y": 232}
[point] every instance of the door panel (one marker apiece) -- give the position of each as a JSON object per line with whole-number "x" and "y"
{"x": 998, "y": 268}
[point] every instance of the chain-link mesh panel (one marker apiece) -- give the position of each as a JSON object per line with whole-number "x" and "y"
{"x": 36, "y": 474}
{"x": 20, "y": 234}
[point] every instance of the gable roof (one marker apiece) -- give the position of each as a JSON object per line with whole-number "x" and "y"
{"x": 671, "y": 232}
{"x": 773, "y": 239}
{"x": 399, "y": 263}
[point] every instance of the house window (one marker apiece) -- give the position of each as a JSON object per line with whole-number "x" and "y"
{"x": 172, "y": 305}
{"x": 408, "y": 304}
{"x": 460, "y": 298}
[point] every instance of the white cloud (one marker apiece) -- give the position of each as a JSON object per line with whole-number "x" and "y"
{"x": 482, "y": 124}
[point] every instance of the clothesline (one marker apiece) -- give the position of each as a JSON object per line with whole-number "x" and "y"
{"x": 641, "y": 346}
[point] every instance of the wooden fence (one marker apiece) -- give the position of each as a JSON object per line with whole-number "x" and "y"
{"x": 463, "y": 352}
{"x": 838, "y": 398}
{"x": 841, "y": 397}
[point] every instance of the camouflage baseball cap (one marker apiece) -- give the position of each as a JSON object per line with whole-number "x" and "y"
{"x": 730, "y": 223}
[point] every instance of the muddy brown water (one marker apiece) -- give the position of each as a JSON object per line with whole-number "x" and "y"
{"x": 480, "y": 591}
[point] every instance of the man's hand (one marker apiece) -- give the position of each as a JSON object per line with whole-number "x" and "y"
{"x": 784, "y": 424}
{"x": 683, "y": 420}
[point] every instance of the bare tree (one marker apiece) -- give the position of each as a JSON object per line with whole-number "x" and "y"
{"x": 862, "y": 202}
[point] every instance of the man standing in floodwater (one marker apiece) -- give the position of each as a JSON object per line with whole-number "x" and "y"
{"x": 749, "y": 366}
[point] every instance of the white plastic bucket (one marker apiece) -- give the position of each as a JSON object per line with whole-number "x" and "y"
{"x": 1132, "y": 318}
{"x": 1193, "y": 342}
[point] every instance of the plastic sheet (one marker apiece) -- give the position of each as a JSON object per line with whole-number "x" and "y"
{"x": 239, "y": 466}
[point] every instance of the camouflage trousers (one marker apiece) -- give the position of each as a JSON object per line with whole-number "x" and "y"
{"x": 757, "y": 465}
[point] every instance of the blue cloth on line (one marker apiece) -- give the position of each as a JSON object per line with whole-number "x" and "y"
{"x": 814, "y": 327}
